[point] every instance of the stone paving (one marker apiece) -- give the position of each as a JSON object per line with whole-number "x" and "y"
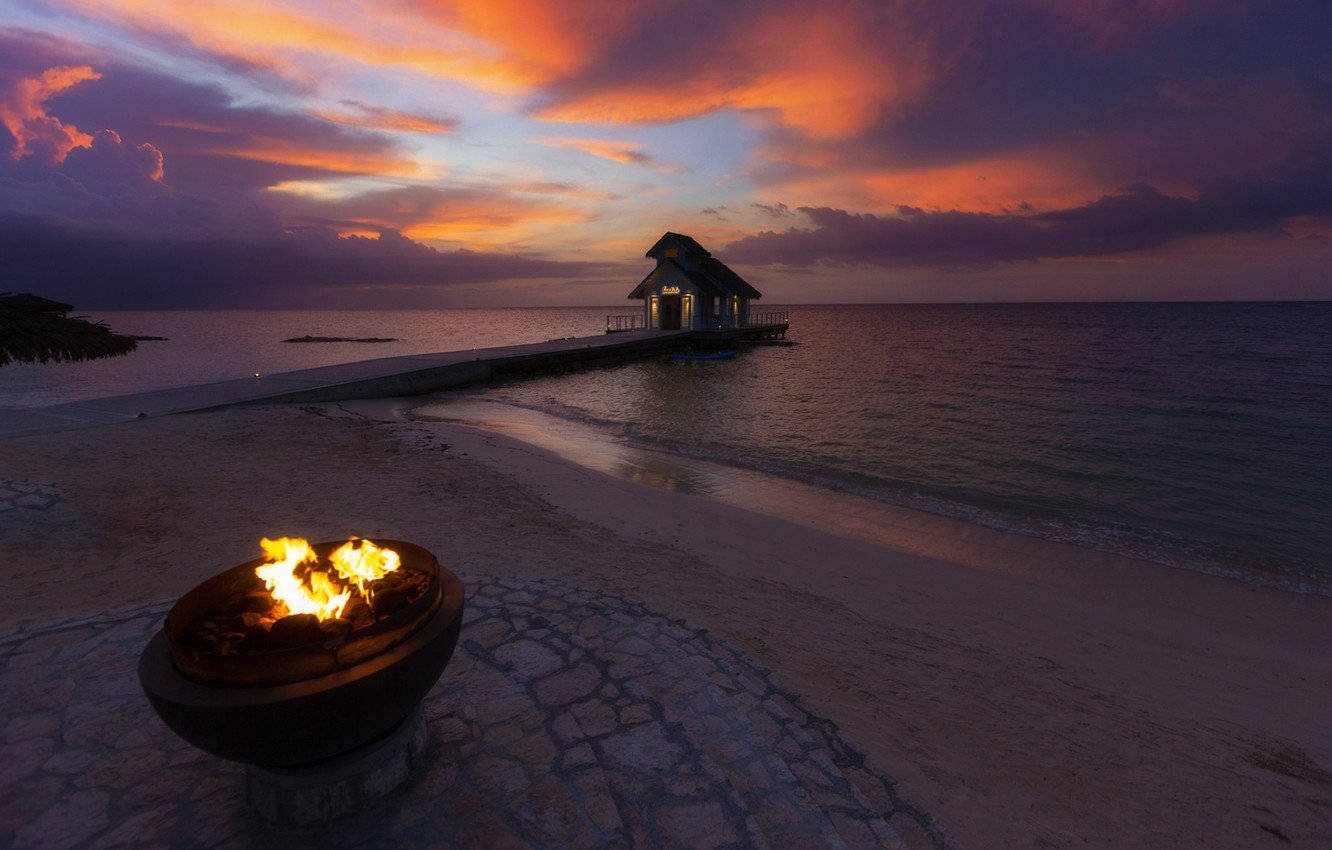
{"x": 567, "y": 718}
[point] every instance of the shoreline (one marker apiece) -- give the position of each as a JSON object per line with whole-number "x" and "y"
{"x": 819, "y": 504}
{"x": 1016, "y": 696}
{"x": 1117, "y": 631}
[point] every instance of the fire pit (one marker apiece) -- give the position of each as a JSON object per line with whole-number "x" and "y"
{"x": 305, "y": 657}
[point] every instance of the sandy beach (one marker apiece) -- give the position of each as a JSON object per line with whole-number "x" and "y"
{"x": 1021, "y": 692}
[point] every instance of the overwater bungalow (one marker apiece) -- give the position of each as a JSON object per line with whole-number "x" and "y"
{"x": 690, "y": 290}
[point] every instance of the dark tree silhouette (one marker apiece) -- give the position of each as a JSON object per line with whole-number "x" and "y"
{"x": 39, "y": 330}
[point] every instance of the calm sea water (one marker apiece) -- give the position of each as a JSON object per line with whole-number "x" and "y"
{"x": 217, "y": 345}
{"x": 1198, "y": 435}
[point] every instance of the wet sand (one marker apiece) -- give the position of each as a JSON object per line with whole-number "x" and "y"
{"x": 1022, "y": 692}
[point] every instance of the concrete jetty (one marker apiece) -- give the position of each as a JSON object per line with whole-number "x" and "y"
{"x": 385, "y": 377}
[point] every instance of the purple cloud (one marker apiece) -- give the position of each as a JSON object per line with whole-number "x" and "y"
{"x": 1134, "y": 219}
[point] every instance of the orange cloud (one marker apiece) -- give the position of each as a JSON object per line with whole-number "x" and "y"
{"x": 829, "y": 72}
{"x": 291, "y": 152}
{"x": 568, "y": 190}
{"x": 990, "y": 184}
{"x": 382, "y": 118}
{"x": 625, "y": 153}
{"x": 827, "y": 75}
{"x": 304, "y": 43}
{"x": 362, "y": 232}
{"x": 487, "y": 219}
{"x": 1039, "y": 179}
{"x": 533, "y": 42}
{"x": 285, "y": 40}
{"x": 23, "y": 113}
{"x": 301, "y": 152}
{"x": 472, "y": 216}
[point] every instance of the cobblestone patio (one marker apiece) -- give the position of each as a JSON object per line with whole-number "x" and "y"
{"x": 567, "y": 718}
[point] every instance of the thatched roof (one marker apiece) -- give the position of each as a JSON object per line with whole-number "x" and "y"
{"x": 37, "y": 330}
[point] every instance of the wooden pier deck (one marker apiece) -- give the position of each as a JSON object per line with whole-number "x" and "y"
{"x": 385, "y": 377}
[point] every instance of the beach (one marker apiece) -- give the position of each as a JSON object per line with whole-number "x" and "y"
{"x": 1020, "y": 691}
{"x": 572, "y": 425}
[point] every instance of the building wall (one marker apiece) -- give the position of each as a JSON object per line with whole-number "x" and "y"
{"x": 726, "y": 312}
{"x": 667, "y": 279}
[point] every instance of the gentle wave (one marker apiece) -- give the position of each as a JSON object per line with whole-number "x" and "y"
{"x": 1140, "y": 545}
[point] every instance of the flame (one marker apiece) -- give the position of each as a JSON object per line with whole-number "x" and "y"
{"x": 361, "y": 562}
{"x": 317, "y": 594}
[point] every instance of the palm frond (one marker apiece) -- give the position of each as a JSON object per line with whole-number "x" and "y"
{"x": 38, "y": 330}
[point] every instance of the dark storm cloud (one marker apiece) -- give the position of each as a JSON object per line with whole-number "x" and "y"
{"x": 95, "y": 269}
{"x": 1135, "y": 219}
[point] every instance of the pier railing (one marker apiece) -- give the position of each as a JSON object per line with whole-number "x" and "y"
{"x": 625, "y": 322}
{"x": 637, "y": 321}
{"x": 770, "y": 317}
{"x": 766, "y": 319}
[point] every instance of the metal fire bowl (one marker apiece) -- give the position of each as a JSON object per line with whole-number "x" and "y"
{"x": 299, "y": 723}
{"x": 293, "y": 664}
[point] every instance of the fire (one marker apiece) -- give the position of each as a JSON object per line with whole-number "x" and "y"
{"x": 306, "y": 590}
{"x": 317, "y": 594}
{"x": 361, "y": 562}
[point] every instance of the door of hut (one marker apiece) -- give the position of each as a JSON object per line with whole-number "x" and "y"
{"x": 670, "y": 312}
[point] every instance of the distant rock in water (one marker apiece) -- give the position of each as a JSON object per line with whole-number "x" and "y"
{"x": 147, "y": 338}
{"x": 341, "y": 339}
{"x": 37, "y": 330}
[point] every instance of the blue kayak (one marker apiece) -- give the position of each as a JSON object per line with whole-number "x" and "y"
{"x": 711, "y": 355}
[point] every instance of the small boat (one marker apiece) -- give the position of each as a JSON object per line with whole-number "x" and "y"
{"x": 705, "y": 355}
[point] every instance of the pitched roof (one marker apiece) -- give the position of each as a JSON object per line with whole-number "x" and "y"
{"x": 700, "y": 280}
{"x": 687, "y": 241}
{"x": 637, "y": 291}
{"x": 728, "y": 279}
{"x": 715, "y": 277}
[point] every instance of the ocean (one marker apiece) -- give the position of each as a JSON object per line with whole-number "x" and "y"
{"x": 1194, "y": 435}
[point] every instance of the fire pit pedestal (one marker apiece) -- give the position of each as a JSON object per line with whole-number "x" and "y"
{"x": 340, "y": 727}
{"x": 340, "y": 786}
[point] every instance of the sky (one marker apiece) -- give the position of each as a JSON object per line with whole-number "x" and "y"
{"x": 420, "y": 153}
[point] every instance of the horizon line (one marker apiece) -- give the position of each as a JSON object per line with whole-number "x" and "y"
{"x": 773, "y": 304}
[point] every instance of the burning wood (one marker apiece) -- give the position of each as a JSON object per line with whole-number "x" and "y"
{"x": 296, "y": 598}
{"x": 239, "y": 673}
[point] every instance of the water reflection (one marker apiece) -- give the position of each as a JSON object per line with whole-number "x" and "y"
{"x": 578, "y": 444}
{"x": 1190, "y": 434}
{"x": 795, "y": 502}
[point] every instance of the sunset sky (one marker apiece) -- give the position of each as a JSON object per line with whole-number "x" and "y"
{"x": 167, "y": 153}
